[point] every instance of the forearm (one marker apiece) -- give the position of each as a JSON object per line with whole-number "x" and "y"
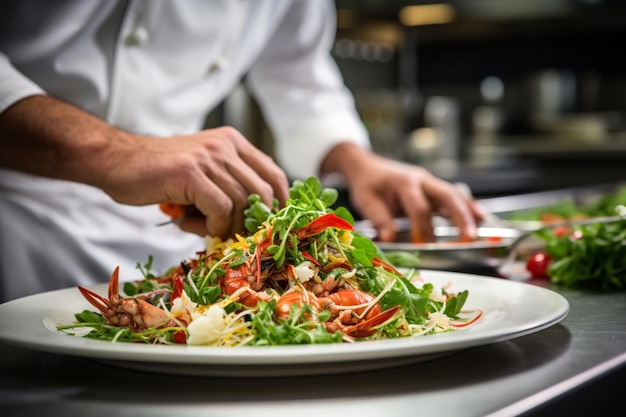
{"x": 43, "y": 136}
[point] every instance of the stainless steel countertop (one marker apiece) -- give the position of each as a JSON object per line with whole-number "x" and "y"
{"x": 500, "y": 379}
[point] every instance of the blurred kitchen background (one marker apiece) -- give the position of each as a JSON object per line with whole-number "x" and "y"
{"x": 508, "y": 96}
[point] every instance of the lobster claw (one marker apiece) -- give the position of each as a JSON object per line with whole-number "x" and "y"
{"x": 134, "y": 313}
{"x": 106, "y": 306}
{"x": 96, "y": 300}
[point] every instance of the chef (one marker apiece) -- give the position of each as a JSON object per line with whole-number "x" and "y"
{"x": 102, "y": 108}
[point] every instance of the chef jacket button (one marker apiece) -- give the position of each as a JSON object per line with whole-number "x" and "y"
{"x": 219, "y": 64}
{"x": 137, "y": 37}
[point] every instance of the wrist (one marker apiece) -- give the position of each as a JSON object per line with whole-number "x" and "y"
{"x": 346, "y": 159}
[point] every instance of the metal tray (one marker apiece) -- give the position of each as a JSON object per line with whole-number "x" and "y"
{"x": 448, "y": 253}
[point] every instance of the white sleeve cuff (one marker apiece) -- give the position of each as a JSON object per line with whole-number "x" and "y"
{"x": 303, "y": 147}
{"x": 13, "y": 85}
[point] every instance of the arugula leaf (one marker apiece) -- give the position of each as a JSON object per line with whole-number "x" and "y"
{"x": 455, "y": 304}
{"x": 414, "y": 301}
{"x": 364, "y": 251}
{"x": 87, "y": 316}
{"x": 345, "y": 214}
{"x": 145, "y": 269}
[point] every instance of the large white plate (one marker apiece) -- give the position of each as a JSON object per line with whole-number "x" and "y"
{"x": 511, "y": 309}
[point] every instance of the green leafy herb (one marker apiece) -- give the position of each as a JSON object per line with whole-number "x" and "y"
{"x": 591, "y": 256}
{"x": 299, "y": 328}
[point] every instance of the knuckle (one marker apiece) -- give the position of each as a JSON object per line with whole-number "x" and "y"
{"x": 222, "y": 209}
{"x": 421, "y": 207}
{"x": 229, "y": 132}
{"x": 266, "y": 192}
{"x": 277, "y": 178}
{"x": 280, "y": 177}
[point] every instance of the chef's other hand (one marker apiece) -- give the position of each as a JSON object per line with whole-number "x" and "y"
{"x": 382, "y": 189}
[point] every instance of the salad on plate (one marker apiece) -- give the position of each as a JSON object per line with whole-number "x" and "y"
{"x": 300, "y": 274}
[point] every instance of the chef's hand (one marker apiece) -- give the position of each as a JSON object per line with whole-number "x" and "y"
{"x": 381, "y": 189}
{"x": 214, "y": 170}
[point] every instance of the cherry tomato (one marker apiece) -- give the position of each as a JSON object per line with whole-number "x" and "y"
{"x": 180, "y": 337}
{"x": 538, "y": 263}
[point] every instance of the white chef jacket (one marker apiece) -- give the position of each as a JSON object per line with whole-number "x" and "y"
{"x": 154, "y": 67}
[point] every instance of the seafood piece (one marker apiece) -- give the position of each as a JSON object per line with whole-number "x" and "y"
{"x": 138, "y": 315}
{"x": 243, "y": 283}
{"x": 359, "y": 302}
{"x": 363, "y": 328}
{"x": 299, "y": 298}
{"x": 357, "y": 313}
{"x": 354, "y": 313}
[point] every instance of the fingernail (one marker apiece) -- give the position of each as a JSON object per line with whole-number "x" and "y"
{"x": 471, "y": 232}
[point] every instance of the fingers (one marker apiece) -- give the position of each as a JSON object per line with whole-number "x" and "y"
{"x": 223, "y": 207}
{"x": 259, "y": 174}
{"x": 456, "y": 204}
{"x": 417, "y": 207}
{"x": 419, "y": 200}
{"x": 394, "y": 190}
{"x": 373, "y": 207}
{"x": 478, "y": 211}
{"x": 234, "y": 161}
{"x": 227, "y": 173}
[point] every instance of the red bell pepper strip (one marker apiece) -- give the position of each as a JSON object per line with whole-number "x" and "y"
{"x": 322, "y": 223}
{"x": 308, "y": 256}
{"x": 178, "y": 287}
